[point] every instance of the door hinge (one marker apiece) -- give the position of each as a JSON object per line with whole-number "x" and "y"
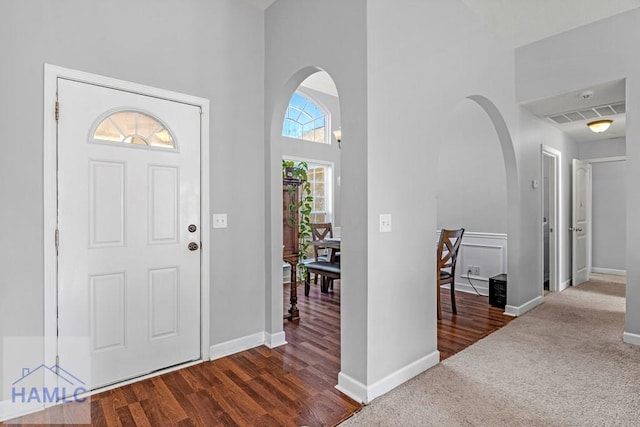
{"x": 57, "y": 111}
{"x": 57, "y": 240}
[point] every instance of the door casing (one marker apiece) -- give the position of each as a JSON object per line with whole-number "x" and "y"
{"x": 554, "y": 217}
{"x": 51, "y": 75}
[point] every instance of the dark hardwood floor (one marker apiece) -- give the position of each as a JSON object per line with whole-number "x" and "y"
{"x": 292, "y": 385}
{"x": 475, "y": 320}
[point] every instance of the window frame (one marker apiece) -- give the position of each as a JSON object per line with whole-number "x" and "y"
{"x": 319, "y": 106}
{"x": 102, "y": 117}
{"x": 328, "y": 188}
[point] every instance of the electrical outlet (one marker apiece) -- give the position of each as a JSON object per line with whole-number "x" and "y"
{"x": 475, "y": 270}
{"x": 220, "y": 220}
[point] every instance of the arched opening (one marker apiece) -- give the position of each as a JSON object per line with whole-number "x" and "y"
{"x": 321, "y": 156}
{"x": 478, "y": 190}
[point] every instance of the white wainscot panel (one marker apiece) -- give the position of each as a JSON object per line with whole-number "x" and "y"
{"x": 487, "y": 252}
{"x": 107, "y": 311}
{"x": 106, "y": 203}
{"x": 163, "y": 302}
{"x": 163, "y": 204}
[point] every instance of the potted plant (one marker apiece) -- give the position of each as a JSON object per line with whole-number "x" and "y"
{"x": 298, "y": 171}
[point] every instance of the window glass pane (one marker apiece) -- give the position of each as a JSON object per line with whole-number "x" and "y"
{"x": 313, "y": 111}
{"x": 146, "y": 126}
{"x": 292, "y": 129}
{"x": 310, "y": 118}
{"x": 305, "y": 118}
{"x": 108, "y": 131}
{"x": 133, "y": 127}
{"x": 306, "y": 128}
{"x": 298, "y": 100}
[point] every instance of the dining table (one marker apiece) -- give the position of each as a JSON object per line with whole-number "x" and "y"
{"x": 330, "y": 243}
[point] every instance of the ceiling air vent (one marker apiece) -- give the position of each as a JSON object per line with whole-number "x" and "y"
{"x": 588, "y": 113}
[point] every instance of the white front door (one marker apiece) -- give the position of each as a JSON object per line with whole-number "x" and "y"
{"x": 581, "y": 222}
{"x": 129, "y": 231}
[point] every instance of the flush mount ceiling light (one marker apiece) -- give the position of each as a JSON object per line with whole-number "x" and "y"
{"x": 599, "y": 126}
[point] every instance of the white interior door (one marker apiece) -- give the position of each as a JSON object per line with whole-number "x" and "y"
{"x": 581, "y": 222}
{"x": 128, "y": 192}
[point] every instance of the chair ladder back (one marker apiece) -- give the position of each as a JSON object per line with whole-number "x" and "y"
{"x": 320, "y": 231}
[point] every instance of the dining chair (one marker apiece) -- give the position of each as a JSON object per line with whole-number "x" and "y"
{"x": 321, "y": 231}
{"x": 447, "y": 256}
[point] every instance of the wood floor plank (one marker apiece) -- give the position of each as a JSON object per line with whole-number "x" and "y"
{"x": 291, "y": 385}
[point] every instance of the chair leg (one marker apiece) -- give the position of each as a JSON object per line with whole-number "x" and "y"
{"x": 306, "y": 283}
{"x": 439, "y": 308}
{"x": 453, "y": 297}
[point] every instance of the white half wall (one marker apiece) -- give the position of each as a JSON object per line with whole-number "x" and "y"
{"x": 488, "y": 252}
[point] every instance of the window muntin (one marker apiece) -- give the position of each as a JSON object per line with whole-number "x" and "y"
{"x": 319, "y": 176}
{"x": 134, "y": 128}
{"x": 304, "y": 119}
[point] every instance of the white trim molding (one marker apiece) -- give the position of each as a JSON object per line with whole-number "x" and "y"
{"x": 488, "y": 252}
{"x": 515, "y": 311}
{"x": 564, "y": 285}
{"x": 365, "y": 394}
{"x": 237, "y": 345}
{"x": 630, "y": 338}
{"x": 612, "y": 271}
{"x": 274, "y": 340}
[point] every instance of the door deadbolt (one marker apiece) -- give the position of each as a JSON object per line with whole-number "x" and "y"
{"x": 193, "y": 246}
{"x": 192, "y": 228}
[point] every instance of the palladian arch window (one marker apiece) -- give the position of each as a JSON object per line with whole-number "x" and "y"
{"x": 305, "y": 119}
{"x": 135, "y": 128}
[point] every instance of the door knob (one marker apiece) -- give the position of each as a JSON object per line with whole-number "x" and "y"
{"x": 193, "y": 246}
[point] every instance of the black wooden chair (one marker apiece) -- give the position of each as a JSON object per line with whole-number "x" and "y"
{"x": 447, "y": 256}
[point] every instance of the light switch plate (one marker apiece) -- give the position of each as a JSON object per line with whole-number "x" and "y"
{"x": 220, "y": 220}
{"x": 385, "y": 223}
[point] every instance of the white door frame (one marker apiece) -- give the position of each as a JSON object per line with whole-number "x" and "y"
{"x": 51, "y": 75}
{"x": 554, "y": 218}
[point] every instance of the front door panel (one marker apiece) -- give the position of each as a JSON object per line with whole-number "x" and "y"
{"x": 128, "y": 189}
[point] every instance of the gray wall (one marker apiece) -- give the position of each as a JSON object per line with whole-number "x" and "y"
{"x": 535, "y": 132}
{"x": 564, "y": 63}
{"x": 609, "y": 203}
{"x": 422, "y": 63}
{"x": 335, "y": 41}
{"x": 472, "y": 186}
{"x": 211, "y": 49}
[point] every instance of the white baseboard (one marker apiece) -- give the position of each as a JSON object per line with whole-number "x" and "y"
{"x": 274, "y": 340}
{"x": 515, "y": 311}
{"x": 465, "y": 287}
{"x": 10, "y": 410}
{"x": 630, "y": 338}
{"x": 611, "y": 271}
{"x": 365, "y": 394}
{"x": 237, "y": 345}
{"x": 564, "y": 285}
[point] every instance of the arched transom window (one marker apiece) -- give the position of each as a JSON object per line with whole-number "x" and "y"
{"x": 133, "y": 127}
{"x": 304, "y": 119}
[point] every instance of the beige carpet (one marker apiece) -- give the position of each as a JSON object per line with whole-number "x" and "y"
{"x": 561, "y": 364}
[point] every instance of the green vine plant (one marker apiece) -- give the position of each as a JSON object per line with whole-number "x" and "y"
{"x": 298, "y": 170}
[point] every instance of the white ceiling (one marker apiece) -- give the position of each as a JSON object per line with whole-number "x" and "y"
{"x": 525, "y": 21}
